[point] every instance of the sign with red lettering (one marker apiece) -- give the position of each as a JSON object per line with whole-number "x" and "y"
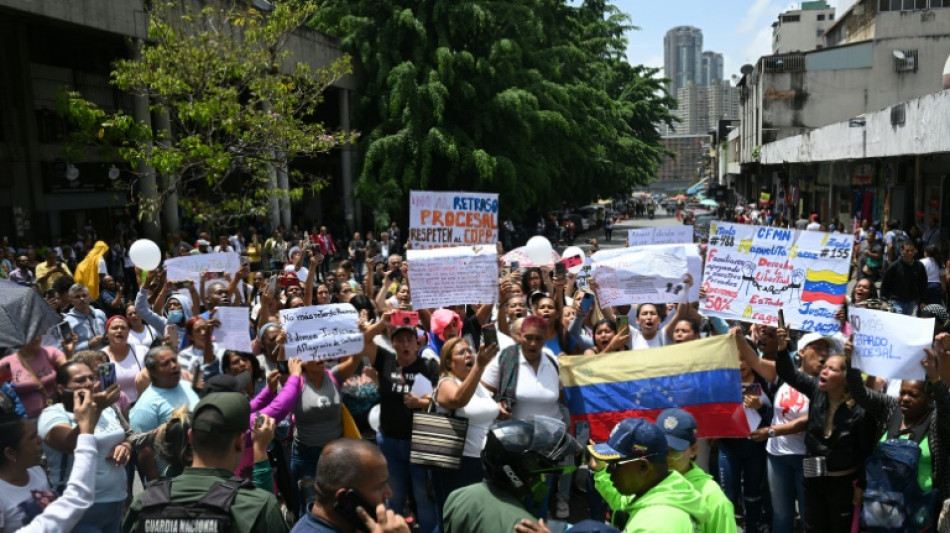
{"x": 444, "y": 219}
{"x": 753, "y": 271}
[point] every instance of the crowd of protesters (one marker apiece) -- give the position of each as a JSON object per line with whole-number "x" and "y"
{"x": 300, "y": 441}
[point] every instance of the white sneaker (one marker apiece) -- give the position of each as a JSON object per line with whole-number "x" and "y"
{"x": 563, "y": 510}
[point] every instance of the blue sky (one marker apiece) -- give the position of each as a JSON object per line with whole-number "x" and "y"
{"x": 739, "y": 29}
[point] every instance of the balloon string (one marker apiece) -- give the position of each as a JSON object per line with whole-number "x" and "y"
{"x": 144, "y": 274}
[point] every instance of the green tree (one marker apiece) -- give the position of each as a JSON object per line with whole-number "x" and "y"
{"x": 238, "y": 106}
{"x": 528, "y": 98}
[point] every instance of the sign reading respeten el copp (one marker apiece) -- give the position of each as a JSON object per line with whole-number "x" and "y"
{"x": 441, "y": 219}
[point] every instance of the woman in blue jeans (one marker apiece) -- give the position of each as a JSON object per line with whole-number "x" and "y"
{"x": 742, "y": 461}
{"x": 318, "y": 417}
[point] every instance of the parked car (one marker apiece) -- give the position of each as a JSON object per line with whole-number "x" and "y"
{"x": 581, "y": 220}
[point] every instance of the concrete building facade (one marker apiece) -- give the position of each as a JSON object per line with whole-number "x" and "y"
{"x": 46, "y": 47}
{"x": 803, "y": 29}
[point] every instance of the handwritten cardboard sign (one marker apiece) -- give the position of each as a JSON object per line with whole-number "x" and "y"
{"x": 322, "y": 332}
{"x": 890, "y": 345}
{"x": 679, "y": 234}
{"x": 753, "y": 271}
{"x": 194, "y": 266}
{"x": 643, "y": 274}
{"x": 453, "y": 276}
{"x": 694, "y": 262}
{"x": 233, "y": 334}
{"x": 444, "y": 219}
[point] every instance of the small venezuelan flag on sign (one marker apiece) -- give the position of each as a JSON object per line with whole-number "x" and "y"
{"x": 825, "y": 285}
{"x": 701, "y": 377}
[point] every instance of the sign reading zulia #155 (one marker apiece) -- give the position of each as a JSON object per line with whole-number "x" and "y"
{"x": 441, "y": 219}
{"x": 753, "y": 271}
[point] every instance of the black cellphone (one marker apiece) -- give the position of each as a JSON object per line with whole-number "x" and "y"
{"x": 560, "y": 268}
{"x": 781, "y": 319}
{"x": 514, "y": 265}
{"x": 65, "y": 331}
{"x": 283, "y": 368}
{"x": 489, "y": 334}
{"x": 752, "y": 389}
{"x": 106, "y": 375}
{"x": 346, "y": 506}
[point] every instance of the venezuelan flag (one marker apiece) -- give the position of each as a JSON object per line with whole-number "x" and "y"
{"x": 701, "y": 377}
{"x": 826, "y": 285}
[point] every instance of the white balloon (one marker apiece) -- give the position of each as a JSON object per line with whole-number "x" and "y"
{"x": 539, "y": 250}
{"x": 145, "y": 254}
{"x": 574, "y": 251}
{"x": 374, "y": 417}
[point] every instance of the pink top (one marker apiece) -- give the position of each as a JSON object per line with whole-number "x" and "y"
{"x": 275, "y": 405}
{"x": 44, "y": 366}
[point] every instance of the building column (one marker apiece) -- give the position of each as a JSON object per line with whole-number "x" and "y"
{"x": 346, "y": 157}
{"x": 283, "y": 184}
{"x": 169, "y": 189}
{"x": 148, "y": 191}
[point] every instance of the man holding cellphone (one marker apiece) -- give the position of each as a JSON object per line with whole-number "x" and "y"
{"x": 351, "y": 470}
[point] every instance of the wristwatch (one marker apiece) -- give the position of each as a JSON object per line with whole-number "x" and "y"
{"x": 771, "y": 432}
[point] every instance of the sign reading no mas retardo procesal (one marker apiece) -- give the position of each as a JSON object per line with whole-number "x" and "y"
{"x": 753, "y": 271}
{"x": 322, "y": 332}
{"x": 441, "y": 219}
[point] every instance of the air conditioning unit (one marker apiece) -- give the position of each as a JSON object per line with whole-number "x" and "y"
{"x": 905, "y": 60}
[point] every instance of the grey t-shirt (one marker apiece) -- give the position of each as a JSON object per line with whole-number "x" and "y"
{"x": 318, "y": 414}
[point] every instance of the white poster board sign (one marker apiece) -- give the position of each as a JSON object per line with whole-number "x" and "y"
{"x": 644, "y": 274}
{"x": 322, "y": 332}
{"x": 234, "y": 333}
{"x": 193, "y": 267}
{"x": 453, "y": 276}
{"x": 890, "y": 345}
{"x": 443, "y": 219}
{"x": 679, "y": 234}
{"x": 693, "y": 259}
{"x": 753, "y": 271}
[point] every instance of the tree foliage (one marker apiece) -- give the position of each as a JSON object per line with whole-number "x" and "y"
{"x": 529, "y": 98}
{"x": 238, "y": 105}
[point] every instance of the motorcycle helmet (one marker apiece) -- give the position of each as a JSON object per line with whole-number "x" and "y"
{"x": 519, "y": 456}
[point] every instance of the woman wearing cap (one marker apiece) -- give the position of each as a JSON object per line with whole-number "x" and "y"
{"x": 57, "y": 427}
{"x": 839, "y": 438}
{"x": 920, "y": 412}
{"x": 400, "y": 373}
{"x": 130, "y": 371}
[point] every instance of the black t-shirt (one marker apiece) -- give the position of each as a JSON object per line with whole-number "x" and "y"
{"x": 395, "y": 419}
{"x": 359, "y": 250}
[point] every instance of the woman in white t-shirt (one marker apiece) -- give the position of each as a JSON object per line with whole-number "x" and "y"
{"x": 140, "y": 333}
{"x": 460, "y": 392}
{"x": 129, "y": 358}
{"x": 24, "y": 489}
{"x": 58, "y": 429}
{"x": 936, "y": 277}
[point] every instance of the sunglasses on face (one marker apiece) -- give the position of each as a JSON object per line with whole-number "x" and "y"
{"x": 614, "y": 465}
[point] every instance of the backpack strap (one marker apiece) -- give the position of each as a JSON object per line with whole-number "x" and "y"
{"x": 157, "y": 492}
{"x": 508, "y": 372}
{"x": 222, "y": 494}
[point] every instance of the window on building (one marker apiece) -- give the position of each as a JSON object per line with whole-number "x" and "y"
{"x": 791, "y": 18}
{"x": 821, "y": 17}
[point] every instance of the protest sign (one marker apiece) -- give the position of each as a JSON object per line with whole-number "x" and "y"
{"x": 644, "y": 274}
{"x": 890, "y": 345}
{"x": 694, "y": 263}
{"x": 234, "y": 333}
{"x": 194, "y": 266}
{"x": 453, "y": 276}
{"x": 322, "y": 332}
{"x": 679, "y": 234}
{"x": 753, "y": 271}
{"x": 443, "y": 219}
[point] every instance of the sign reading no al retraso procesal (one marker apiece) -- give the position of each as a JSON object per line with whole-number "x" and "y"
{"x": 444, "y": 219}
{"x": 753, "y": 271}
